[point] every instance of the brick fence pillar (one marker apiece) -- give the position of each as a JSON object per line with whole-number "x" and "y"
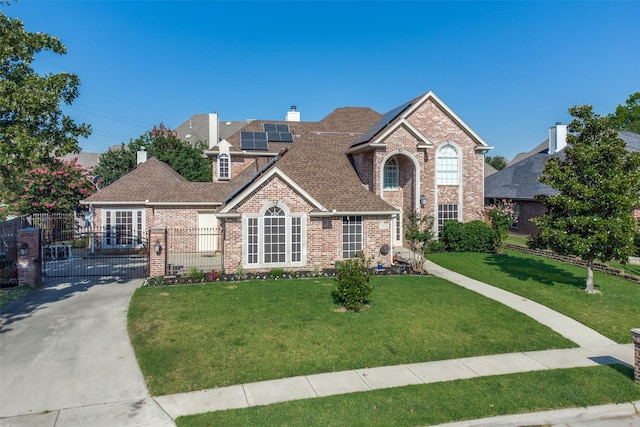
{"x": 636, "y": 342}
{"x": 29, "y": 264}
{"x": 157, "y": 259}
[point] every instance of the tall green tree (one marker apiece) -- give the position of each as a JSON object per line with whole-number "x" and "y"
{"x": 627, "y": 117}
{"x": 33, "y": 129}
{"x": 599, "y": 183}
{"x": 163, "y": 144}
{"x": 498, "y": 162}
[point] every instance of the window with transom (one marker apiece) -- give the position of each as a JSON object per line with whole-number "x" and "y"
{"x": 447, "y": 165}
{"x": 390, "y": 174}
{"x": 275, "y": 237}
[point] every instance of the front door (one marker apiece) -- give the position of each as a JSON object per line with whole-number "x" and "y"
{"x": 208, "y": 232}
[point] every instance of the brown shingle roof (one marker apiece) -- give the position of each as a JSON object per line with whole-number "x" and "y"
{"x": 319, "y": 164}
{"x": 156, "y": 182}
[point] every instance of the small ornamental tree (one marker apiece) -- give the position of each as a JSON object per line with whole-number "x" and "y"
{"x": 56, "y": 188}
{"x": 418, "y": 231}
{"x": 599, "y": 183}
{"x": 502, "y": 214}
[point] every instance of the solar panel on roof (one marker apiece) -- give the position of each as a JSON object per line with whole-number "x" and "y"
{"x": 282, "y": 128}
{"x": 387, "y": 118}
{"x": 286, "y": 136}
{"x": 280, "y": 136}
{"x": 269, "y": 127}
{"x": 253, "y": 140}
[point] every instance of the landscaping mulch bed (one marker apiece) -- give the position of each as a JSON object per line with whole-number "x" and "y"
{"x": 214, "y": 276}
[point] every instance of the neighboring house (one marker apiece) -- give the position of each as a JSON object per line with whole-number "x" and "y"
{"x": 298, "y": 195}
{"x": 519, "y": 181}
{"x": 198, "y": 129}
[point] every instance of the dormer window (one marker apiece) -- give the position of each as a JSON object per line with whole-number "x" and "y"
{"x": 224, "y": 168}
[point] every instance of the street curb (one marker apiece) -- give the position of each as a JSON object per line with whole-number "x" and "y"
{"x": 572, "y": 416}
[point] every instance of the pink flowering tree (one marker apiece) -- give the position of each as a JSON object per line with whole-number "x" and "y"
{"x": 502, "y": 214}
{"x": 54, "y": 188}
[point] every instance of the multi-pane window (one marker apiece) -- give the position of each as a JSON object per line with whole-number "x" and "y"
{"x": 252, "y": 240}
{"x": 223, "y": 166}
{"x": 296, "y": 239}
{"x": 123, "y": 227}
{"x": 390, "y": 174}
{"x": 445, "y": 213}
{"x": 275, "y": 236}
{"x": 447, "y": 166}
{"x": 351, "y": 236}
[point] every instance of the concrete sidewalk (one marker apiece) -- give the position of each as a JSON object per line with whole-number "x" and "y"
{"x": 319, "y": 385}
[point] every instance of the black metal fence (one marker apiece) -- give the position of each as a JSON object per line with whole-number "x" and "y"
{"x": 87, "y": 256}
{"x": 70, "y": 248}
{"x": 194, "y": 248}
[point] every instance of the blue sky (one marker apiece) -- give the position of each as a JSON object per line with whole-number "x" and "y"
{"x": 508, "y": 69}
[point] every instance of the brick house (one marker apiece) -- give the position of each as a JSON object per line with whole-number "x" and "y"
{"x": 298, "y": 195}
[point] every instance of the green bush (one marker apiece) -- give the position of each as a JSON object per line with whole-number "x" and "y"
{"x": 452, "y": 231}
{"x": 435, "y": 246}
{"x": 474, "y": 236}
{"x": 353, "y": 288}
{"x": 477, "y": 237}
{"x": 276, "y": 272}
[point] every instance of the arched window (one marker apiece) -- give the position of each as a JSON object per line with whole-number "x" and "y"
{"x": 390, "y": 174}
{"x": 274, "y": 237}
{"x": 224, "y": 171}
{"x": 447, "y": 165}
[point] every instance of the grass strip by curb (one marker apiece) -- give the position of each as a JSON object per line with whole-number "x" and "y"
{"x": 441, "y": 402}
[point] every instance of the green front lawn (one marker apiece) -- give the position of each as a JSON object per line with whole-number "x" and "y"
{"x": 558, "y": 286}
{"x": 438, "y": 403}
{"x": 203, "y": 336}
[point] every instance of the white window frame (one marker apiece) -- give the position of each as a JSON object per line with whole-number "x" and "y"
{"x": 351, "y": 236}
{"x": 446, "y": 212}
{"x": 391, "y": 174}
{"x": 253, "y": 255}
{"x": 224, "y": 166}
{"x": 448, "y": 165}
{"x": 136, "y": 233}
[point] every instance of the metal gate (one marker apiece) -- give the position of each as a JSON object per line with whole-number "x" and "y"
{"x": 69, "y": 249}
{"x": 85, "y": 256}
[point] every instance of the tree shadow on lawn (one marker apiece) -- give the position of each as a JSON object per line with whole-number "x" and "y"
{"x": 525, "y": 268}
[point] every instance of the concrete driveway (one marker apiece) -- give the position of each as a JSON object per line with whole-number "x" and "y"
{"x": 66, "y": 360}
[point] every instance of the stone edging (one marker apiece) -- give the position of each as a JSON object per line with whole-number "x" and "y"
{"x": 603, "y": 268}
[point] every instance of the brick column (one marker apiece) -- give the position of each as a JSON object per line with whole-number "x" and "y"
{"x": 635, "y": 333}
{"x": 30, "y": 264}
{"x": 157, "y": 261}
